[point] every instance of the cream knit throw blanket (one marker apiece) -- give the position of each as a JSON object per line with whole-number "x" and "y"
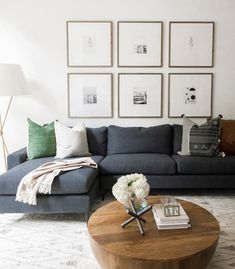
{"x": 40, "y": 180}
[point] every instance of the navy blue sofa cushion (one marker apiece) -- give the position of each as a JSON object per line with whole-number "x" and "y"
{"x": 72, "y": 182}
{"x": 177, "y": 137}
{"x": 146, "y": 163}
{"x": 200, "y": 165}
{"x": 16, "y": 158}
{"x": 97, "y": 140}
{"x": 156, "y": 139}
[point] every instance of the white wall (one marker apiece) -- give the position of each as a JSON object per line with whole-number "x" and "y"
{"x": 33, "y": 34}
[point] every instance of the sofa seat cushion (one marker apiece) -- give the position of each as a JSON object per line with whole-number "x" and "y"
{"x": 145, "y": 163}
{"x": 71, "y": 182}
{"x": 198, "y": 165}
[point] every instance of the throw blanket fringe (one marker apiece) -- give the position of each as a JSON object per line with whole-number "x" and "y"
{"x": 40, "y": 180}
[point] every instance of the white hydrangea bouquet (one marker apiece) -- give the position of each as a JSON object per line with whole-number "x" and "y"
{"x": 132, "y": 187}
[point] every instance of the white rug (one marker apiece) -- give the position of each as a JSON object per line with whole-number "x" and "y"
{"x": 61, "y": 241}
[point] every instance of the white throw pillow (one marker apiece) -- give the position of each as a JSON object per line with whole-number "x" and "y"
{"x": 71, "y": 142}
{"x": 187, "y": 125}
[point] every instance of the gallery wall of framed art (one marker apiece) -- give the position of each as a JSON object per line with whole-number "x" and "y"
{"x": 140, "y": 44}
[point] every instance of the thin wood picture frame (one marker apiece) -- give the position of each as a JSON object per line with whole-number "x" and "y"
{"x": 138, "y": 45}
{"x": 85, "y": 92}
{"x": 89, "y": 43}
{"x": 191, "y": 44}
{"x": 190, "y": 94}
{"x": 143, "y": 95}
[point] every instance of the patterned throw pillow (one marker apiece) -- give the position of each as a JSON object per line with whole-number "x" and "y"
{"x": 41, "y": 140}
{"x": 204, "y": 139}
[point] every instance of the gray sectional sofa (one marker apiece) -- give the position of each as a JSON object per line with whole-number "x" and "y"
{"x": 118, "y": 151}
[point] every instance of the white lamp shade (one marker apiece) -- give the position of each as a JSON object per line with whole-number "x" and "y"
{"x": 12, "y": 80}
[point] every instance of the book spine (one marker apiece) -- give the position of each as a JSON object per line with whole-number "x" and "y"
{"x": 174, "y": 227}
{"x": 162, "y": 226}
{"x": 155, "y": 216}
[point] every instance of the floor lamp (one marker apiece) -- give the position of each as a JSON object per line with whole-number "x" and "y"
{"x": 12, "y": 83}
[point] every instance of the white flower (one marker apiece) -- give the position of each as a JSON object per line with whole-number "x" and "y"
{"x": 131, "y": 186}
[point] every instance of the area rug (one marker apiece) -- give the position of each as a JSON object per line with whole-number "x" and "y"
{"x": 61, "y": 241}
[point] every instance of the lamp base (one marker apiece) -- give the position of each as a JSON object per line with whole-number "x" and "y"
{"x": 2, "y": 124}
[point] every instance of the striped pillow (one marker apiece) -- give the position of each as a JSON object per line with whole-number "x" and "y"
{"x": 41, "y": 140}
{"x": 204, "y": 139}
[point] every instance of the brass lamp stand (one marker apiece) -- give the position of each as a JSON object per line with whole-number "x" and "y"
{"x": 12, "y": 83}
{"x": 2, "y": 124}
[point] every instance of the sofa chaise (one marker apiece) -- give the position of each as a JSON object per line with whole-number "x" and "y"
{"x": 118, "y": 151}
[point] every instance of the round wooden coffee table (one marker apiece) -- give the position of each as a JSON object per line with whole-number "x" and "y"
{"x": 115, "y": 247}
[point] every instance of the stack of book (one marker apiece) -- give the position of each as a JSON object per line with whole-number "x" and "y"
{"x": 165, "y": 223}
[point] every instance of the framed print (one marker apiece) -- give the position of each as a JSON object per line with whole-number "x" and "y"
{"x": 191, "y": 44}
{"x": 140, "y": 95}
{"x": 89, "y": 43}
{"x": 190, "y": 94}
{"x": 90, "y": 95}
{"x": 139, "y": 44}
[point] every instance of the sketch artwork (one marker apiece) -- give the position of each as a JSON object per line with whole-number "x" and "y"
{"x": 89, "y": 95}
{"x": 140, "y": 49}
{"x": 140, "y": 43}
{"x": 190, "y": 95}
{"x": 191, "y": 44}
{"x": 139, "y": 97}
{"x": 88, "y": 44}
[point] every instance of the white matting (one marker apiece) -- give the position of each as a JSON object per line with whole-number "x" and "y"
{"x": 60, "y": 241}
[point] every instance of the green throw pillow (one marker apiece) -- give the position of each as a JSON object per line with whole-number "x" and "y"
{"x": 41, "y": 141}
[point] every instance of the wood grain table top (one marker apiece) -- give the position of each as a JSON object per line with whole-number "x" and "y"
{"x": 104, "y": 228}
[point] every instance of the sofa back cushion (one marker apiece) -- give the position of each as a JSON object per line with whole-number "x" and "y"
{"x": 156, "y": 139}
{"x": 177, "y": 140}
{"x": 97, "y": 140}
